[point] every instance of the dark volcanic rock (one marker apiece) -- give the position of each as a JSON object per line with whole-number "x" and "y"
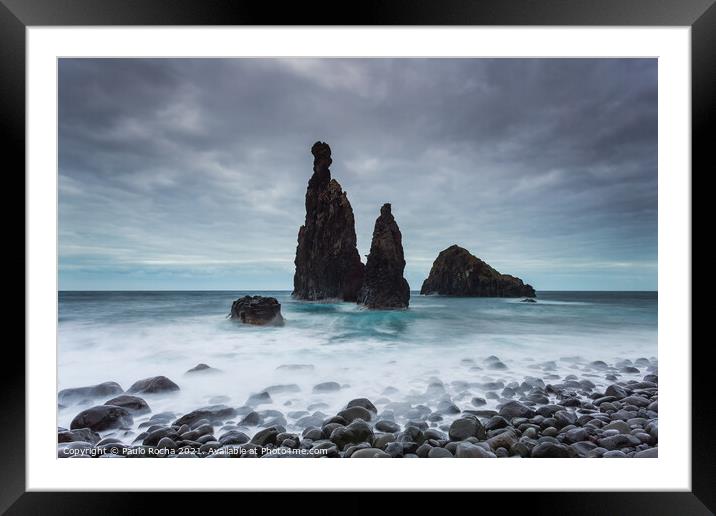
{"x": 327, "y": 262}
{"x": 456, "y": 272}
{"x": 67, "y": 396}
{"x": 257, "y": 310}
{"x": 133, "y": 404}
{"x": 153, "y": 385}
{"x": 384, "y": 285}
{"x": 78, "y": 435}
{"x": 211, "y": 413}
{"x": 102, "y": 417}
{"x": 202, "y": 368}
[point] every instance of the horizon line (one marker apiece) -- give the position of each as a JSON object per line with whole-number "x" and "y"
{"x": 291, "y": 290}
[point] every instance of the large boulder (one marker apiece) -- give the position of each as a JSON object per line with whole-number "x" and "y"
{"x": 102, "y": 417}
{"x": 327, "y": 262}
{"x": 456, "y": 272}
{"x": 257, "y": 310}
{"x": 102, "y": 390}
{"x": 384, "y": 286}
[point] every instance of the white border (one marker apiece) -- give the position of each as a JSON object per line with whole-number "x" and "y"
{"x": 670, "y": 471}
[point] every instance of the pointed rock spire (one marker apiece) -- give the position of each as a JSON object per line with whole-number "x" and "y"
{"x": 327, "y": 262}
{"x": 384, "y": 285}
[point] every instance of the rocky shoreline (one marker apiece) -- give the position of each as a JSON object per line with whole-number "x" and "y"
{"x": 542, "y": 417}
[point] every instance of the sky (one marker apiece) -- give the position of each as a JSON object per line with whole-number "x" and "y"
{"x": 191, "y": 174}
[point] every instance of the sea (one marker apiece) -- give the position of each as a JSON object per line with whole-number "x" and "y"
{"x": 386, "y": 356}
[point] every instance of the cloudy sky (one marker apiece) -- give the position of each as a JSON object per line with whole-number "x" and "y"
{"x": 191, "y": 173}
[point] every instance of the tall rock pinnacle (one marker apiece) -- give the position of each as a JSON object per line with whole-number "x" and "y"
{"x": 384, "y": 285}
{"x": 327, "y": 262}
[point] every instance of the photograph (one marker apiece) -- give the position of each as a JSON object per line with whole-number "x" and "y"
{"x": 384, "y": 257}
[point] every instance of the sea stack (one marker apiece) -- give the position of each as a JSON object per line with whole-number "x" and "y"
{"x": 456, "y": 272}
{"x": 327, "y": 262}
{"x": 384, "y": 286}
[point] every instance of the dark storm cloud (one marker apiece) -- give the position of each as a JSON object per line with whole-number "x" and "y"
{"x": 192, "y": 173}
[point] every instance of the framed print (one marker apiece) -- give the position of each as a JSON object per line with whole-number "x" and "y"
{"x": 433, "y": 234}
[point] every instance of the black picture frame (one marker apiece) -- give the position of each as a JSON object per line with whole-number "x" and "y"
{"x": 17, "y": 15}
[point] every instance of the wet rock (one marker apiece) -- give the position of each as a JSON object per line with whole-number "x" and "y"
{"x": 257, "y": 310}
{"x": 649, "y": 453}
{"x": 102, "y": 417}
{"x": 550, "y": 450}
{"x": 102, "y": 390}
{"x": 363, "y": 402}
{"x": 456, "y": 272}
{"x": 211, "y": 413}
{"x": 467, "y": 450}
{"x": 266, "y": 436}
{"x": 621, "y": 426}
{"x": 384, "y": 286}
{"x": 614, "y": 454}
{"x": 370, "y": 453}
{"x": 202, "y": 368}
{"x": 619, "y": 441}
{"x": 478, "y": 402}
{"x": 153, "y": 438}
{"x": 327, "y": 387}
{"x": 357, "y": 432}
{"x": 259, "y": 398}
{"x": 153, "y": 385}
{"x": 356, "y": 412}
{"x": 387, "y": 426}
{"x": 250, "y": 419}
{"x": 133, "y": 404}
{"x": 78, "y": 435}
{"x": 448, "y": 407}
{"x": 439, "y": 453}
{"x": 516, "y": 409}
{"x": 327, "y": 262}
{"x": 465, "y": 427}
{"x": 616, "y": 391}
{"x": 166, "y": 443}
{"x": 506, "y": 440}
{"x": 233, "y": 437}
{"x": 282, "y": 389}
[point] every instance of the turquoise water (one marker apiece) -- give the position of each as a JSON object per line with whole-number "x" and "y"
{"x": 125, "y": 336}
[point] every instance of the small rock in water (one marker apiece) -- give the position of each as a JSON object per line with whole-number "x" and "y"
{"x": 258, "y": 399}
{"x": 211, "y": 413}
{"x": 387, "y": 426}
{"x": 257, "y": 310}
{"x": 102, "y": 417}
{"x": 363, "y": 402}
{"x": 68, "y": 396}
{"x": 478, "y": 402}
{"x": 78, "y": 435}
{"x": 202, "y": 368}
{"x": 279, "y": 389}
{"x": 297, "y": 367}
{"x": 153, "y": 385}
{"x": 355, "y": 412}
{"x": 133, "y": 404}
{"x": 327, "y": 387}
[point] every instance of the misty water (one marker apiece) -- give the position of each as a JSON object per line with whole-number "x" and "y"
{"x": 386, "y": 356}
